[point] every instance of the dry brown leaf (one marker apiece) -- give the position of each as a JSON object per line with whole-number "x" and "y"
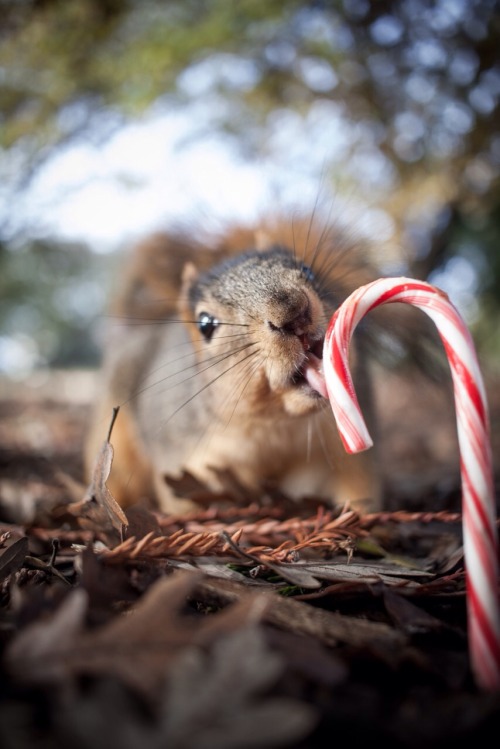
{"x": 213, "y": 569}
{"x": 368, "y": 572}
{"x": 99, "y": 509}
{"x": 13, "y": 557}
{"x": 187, "y": 486}
{"x": 136, "y": 647}
{"x": 39, "y": 652}
{"x": 104, "y": 717}
{"x": 301, "y": 618}
{"x": 409, "y": 617}
{"x": 141, "y": 521}
{"x": 216, "y": 699}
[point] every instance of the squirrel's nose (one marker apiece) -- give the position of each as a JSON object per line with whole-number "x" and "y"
{"x": 298, "y": 326}
{"x": 294, "y": 319}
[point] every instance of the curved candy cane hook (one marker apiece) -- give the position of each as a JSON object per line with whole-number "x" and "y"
{"x": 478, "y": 501}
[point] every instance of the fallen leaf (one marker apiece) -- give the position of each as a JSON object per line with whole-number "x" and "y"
{"x": 213, "y": 569}
{"x": 105, "y": 585}
{"x": 301, "y": 618}
{"x": 140, "y": 522}
{"x": 39, "y": 652}
{"x": 310, "y": 658}
{"x": 411, "y": 618}
{"x": 368, "y": 572}
{"x": 13, "y": 557}
{"x": 187, "y": 486}
{"x": 106, "y": 716}
{"x": 99, "y": 508}
{"x": 137, "y": 647}
{"x": 217, "y": 699}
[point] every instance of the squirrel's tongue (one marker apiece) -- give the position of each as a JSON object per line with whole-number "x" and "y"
{"x": 313, "y": 373}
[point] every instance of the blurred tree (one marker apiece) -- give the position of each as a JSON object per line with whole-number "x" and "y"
{"x": 48, "y": 291}
{"x": 417, "y": 82}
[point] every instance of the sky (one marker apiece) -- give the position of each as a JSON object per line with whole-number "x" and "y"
{"x": 162, "y": 168}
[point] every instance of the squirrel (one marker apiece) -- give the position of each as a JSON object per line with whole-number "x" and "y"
{"x": 215, "y": 363}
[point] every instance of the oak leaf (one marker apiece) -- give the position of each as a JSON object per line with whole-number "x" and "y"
{"x": 220, "y": 698}
{"x": 137, "y": 647}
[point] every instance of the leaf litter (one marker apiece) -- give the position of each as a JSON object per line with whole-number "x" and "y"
{"x": 253, "y": 621}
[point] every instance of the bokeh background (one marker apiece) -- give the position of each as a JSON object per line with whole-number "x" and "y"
{"x": 119, "y": 117}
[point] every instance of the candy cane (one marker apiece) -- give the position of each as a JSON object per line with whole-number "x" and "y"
{"x": 478, "y": 501}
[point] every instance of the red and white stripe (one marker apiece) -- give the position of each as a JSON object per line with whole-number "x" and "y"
{"x": 478, "y": 501}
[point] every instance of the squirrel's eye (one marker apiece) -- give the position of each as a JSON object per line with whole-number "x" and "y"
{"x": 306, "y": 272}
{"x": 206, "y": 325}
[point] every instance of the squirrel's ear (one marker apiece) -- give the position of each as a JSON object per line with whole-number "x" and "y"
{"x": 188, "y": 279}
{"x": 189, "y": 276}
{"x": 262, "y": 240}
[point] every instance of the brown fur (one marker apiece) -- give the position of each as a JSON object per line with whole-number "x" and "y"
{"x": 185, "y": 407}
